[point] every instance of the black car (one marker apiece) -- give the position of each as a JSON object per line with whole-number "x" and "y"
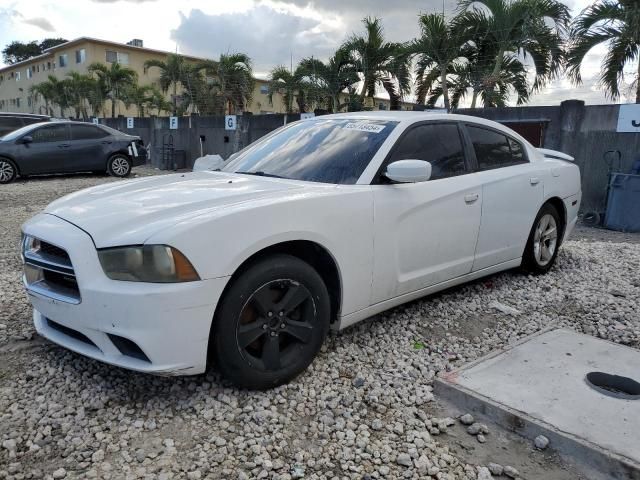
{"x": 62, "y": 147}
{"x": 13, "y": 121}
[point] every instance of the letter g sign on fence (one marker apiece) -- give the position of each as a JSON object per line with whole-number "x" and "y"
{"x": 230, "y": 122}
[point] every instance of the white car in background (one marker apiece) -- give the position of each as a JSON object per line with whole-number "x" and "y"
{"x": 318, "y": 225}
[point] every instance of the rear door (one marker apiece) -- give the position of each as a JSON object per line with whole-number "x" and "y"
{"x": 47, "y": 151}
{"x": 88, "y": 148}
{"x": 425, "y": 233}
{"x": 512, "y": 193}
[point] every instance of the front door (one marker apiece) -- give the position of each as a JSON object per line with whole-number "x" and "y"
{"x": 46, "y": 152}
{"x": 426, "y": 233}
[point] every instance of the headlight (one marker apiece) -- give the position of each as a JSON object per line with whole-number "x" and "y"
{"x": 147, "y": 263}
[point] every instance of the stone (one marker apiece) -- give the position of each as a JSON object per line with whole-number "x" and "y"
{"x": 510, "y": 472}
{"x": 467, "y": 419}
{"x": 59, "y": 473}
{"x": 541, "y": 442}
{"x": 404, "y": 459}
{"x": 495, "y": 469}
{"x": 484, "y": 474}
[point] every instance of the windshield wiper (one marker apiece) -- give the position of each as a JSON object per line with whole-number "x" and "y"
{"x": 261, "y": 174}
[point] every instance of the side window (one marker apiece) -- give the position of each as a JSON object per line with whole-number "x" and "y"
{"x": 56, "y": 133}
{"x": 10, "y": 123}
{"x": 438, "y": 144}
{"x": 494, "y": 150}
{"x": 86, "y": 132}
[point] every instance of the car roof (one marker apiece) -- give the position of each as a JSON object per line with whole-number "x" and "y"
{"x": 23, "y": 115}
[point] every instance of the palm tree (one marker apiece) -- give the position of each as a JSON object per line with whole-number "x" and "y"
{"x": 46, "y": 90}
{"x": 331, "y": 78}
{"x": 173, "y": 72}
{"x": 438, "y": 48}
{"x": 54, "y": 92}
{"x": 380, "y": 62}
{"x": 114, "y": 80}
{"x": 517, "y": 30}
{"x": 139, "y": 95}
{"x": 291, "y": 85}
{"x": 81, "y": 88}
{"x": 230, "y": 79}
{"x": 616, "y": 23}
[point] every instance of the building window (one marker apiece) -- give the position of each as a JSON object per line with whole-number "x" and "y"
{"x": 29, "y": 72}
{"x": 117, "y": 57}
{"x": 48, "y": 65}
{"x": 17, "y": 76}
{"x": 28, "y": 101}
{"x": 81, "y": 55}
{"x": 382, "y": 106}
{"x": 264, "y": 89}
{"x": 18, "y": 102}
{"x": 63, "y": 60}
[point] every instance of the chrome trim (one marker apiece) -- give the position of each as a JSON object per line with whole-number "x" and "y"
{"x": 43, "y": 289}
{"x": 39, "y": 261}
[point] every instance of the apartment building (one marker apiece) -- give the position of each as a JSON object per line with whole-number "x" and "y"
{"x": 76, "y": 55}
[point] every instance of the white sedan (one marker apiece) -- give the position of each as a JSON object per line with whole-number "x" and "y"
{"x": 318, "y": 225}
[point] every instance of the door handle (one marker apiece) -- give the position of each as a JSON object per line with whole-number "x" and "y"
{"x": 534, "y": 180}
{"x": 65, "y": 145}
{"x": 471, "y": 198}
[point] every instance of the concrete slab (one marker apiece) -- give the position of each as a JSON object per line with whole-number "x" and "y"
{"x": 538, "y": 386}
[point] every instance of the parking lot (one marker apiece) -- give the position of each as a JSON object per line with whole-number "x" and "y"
{"x": 364, "y": 409}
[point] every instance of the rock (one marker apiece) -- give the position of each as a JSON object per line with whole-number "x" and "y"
{"x": 59, "y": 473}
{"x": 484, "y": 474}
{"x": 506, "y": 309}
{"x": 9, "y": 445}
{"x": 195, "y": 475}
{"x": 467, "y": 419}
{"x": 541, "y": 442}
{"x": 384, "y": 470}
{"x": 510, "y": 472}
{"x": 377, "y": 424}
{"x": 97, "y": 456}
{"x": 297, "y": 471}
{"x": 358, "y": 382}
{"x": 476, "y": 428}
{"x": 481, "y": 438}
{"x": 404, "y": 459}
{"x": 495, "y": 469}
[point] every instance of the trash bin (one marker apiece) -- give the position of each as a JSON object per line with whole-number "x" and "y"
{"x": 623, "y": 203}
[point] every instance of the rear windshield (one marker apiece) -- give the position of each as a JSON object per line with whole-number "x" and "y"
{"x": 321, "y": 150}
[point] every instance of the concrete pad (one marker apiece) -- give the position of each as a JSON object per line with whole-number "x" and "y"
{"x": 538, "y": 386}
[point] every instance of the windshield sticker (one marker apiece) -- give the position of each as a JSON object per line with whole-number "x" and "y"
{"x": 365, "y": 127}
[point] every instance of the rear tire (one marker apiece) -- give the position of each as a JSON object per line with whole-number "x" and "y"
{"x": 8, "y": 170}
{"x": 271, "y": 323}
{"x": 544, "y": 241}
{"x": 119, "y": 165}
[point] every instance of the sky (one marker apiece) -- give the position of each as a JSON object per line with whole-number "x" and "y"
{"x": 272, "y": 32}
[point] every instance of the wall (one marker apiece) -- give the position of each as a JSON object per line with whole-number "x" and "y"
{"x": 584, "y": 132}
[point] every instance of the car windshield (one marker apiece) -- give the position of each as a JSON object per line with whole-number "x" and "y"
{"x": 323, "y": 150}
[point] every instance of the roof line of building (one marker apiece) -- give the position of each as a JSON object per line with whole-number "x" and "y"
{"x": 49, "y": 51}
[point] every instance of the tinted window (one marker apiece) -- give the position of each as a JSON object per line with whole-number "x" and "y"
{"x": 86, "y": 132}
{"x": 494, "y": 150}
{"x": 32, "y": 120}
{"x": 438, "y": 144}
{"x": 56, "y": 133}
{"x": 328, "y": 151}
{"x": 8, "y": 124}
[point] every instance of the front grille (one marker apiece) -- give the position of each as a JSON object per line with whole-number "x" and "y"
{"x": 70, "y": 332}
{"x": 54, "y": 252}
{"x": 128, "y": 347}
{"x": 48, "y": 271}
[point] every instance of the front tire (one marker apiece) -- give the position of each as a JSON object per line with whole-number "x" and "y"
{"x": 544, "y": 241}
{"x": 8, "y": 171}
{"x": 270, "y": 323}
{"x": 119, "y": 165}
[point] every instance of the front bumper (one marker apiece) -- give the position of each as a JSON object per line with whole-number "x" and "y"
{"x": 169, "y": 323}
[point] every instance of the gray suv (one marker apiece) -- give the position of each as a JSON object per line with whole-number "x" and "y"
{"x": 13, "y": 121}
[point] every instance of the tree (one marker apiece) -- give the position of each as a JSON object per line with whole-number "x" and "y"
{"x": 291, "y": 85}
{"x": 81, "y": 89}
{"x": 46, "y": 91}
{"x": 615, "y": 23}
{"x": 19, "y": 51}
{"x": 114, "y": 80}
{"x": 380, "y": 62}
{"x": 517, "y": 30}
{"x": 437, "y": 49}
{"x": 229, "y": 82}
{"x": 332, "y": 78}
{"x": 54, "y": 92}
{"x": 173, "y": 72}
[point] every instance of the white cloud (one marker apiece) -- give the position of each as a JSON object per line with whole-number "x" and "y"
{"x": 41, "y": 23}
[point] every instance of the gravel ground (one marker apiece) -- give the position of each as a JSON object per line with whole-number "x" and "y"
{"x": 363, "y": 410}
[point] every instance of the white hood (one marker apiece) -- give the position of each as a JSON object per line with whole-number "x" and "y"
{"x": 129, "y": 212}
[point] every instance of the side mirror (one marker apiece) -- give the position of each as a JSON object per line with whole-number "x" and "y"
{"x": 26, "y": 139}
{"x": 408, "y": 171}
